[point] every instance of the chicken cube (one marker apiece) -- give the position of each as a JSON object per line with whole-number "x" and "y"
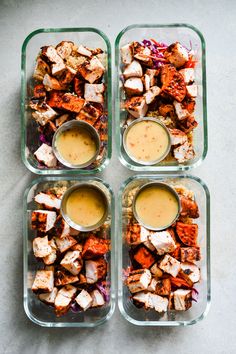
{"x": 188, "y": 75}
{"x": 144, "y": 257}
{"x": 43, "y": 114}
{"x": 91, "y": 70}
{"x": 51, "y": 83}
{"x": 184, "y": 152}
{"x": 43, "y": 220}
{"x": 180, "y": 111}
{"x": 84, "y": 300}
{"x": 63, "y": 278}
{"x": 64, "y": 49}
{"x": 89, "y": 113}
{"x": 152, "y": 73}
{"x": 190, "y": 272}
{"x": 52, "y": 256}
{"x": 41, "y": 247}
{"x": 159, "y": 303}
{"x": 44, "y": 280}
{"x": 41, "y": 69}
{"x": 191, "y": 90}
{"x": 136, "y": 234}
{"x": 156, "y": 271}
{"x": 133, "y": 86}
{"x": 149, "y": 245}
{"x": 63, "y": 299}
{"x": 137, "y": 106}
{"x": 48, "y": 201}
{"x": 163, "y": 287}
{"x": 152, "y": 286}
{"x": 163, "y": 242}
{"x": 177, "y": 137}
{"x": 65, "y": 243}
{"x": 188, "y": 124}
{"x": 170, "y": 265}
{"x": 95, "y": 247}
{"x": 141, "y": 298}
{"x": 94, "y": 92}
{"x": 45, "y": 155}
{"x": 151, "y": 94}
{"x": 98, "y": 299}
{"x": 182, "y": 299}
{"x": 62, "y": 119}
{"x": 176, "y": 54}
{"x": 61, "y": 227}
{"x": 138, "y": 280}
{"x": 190, "y": 254}
{"x": 134, "y": 69}
{"x": 72, "y": 262}
{"x": 126, "y": 53}
{"x": 95, "y": 270}
{"x": 52, "y": 56}
{"x": 67, "y": 76}
{"x": 49, "y": 298}
{"x": 84, "y": 51}
{"x": 39, "y": 91}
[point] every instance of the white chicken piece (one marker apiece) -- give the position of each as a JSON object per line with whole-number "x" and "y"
{"x": 50, "y": 83}
{"x": 190, "y": 271}
{"x": 94, "y": 269}
{"x": 159, "y": 303}
{"x": 152, "y": 286}
{"x": 133, "y": 86}
{"x": 52, "y": 256}
{"x": 149, "y": 245}
{"x": 43, "y": 220}
{"x": 49, "y": 298}
{"x": 94, "y": 92}
{"x": 142, "y": 298}
{"x": 141, "y": 236}
{"x": 139, "y": 280}
{"x": 41, "y": 69}
{"x": 126, "y": 53}
{"x": 44, "y": 280}
{"x": 184, "y": 152}
{"x": 134, "y": 69}
{"x": 41, "y": 247}
{"x": 176, "y": 54}
{"x": 45, "y": 155}
{"x": 72, "y": 262}
{"x": 97, "y": 297}
{"x": 188, "y": 75}
{"x": 64, "y": 298}
{"x": 182, "y": 299}
{"x": 156, "y": 271}
{"x": 152, "y": 73}
{"x": 84, "y": 300}
{"x": 151, "y": 94}
{"x": 61, "y": 227}
{"x": 48, "y": 201}
{"x": 44, "y": 114}
{"x": 65, "y": 243}
{"x": 64, "y": 49}
{"x": 170, "y": 265}
{"x": 143, "y": 55}
{"x": 62, "y": 119}
{"x": 137, "y": 106}
{"x": 92, "y": 70}
{"x": 177, "y": 137}
{"x": 84, "y": 51}
{"x": 163, "y": 242}
{"x": 147, "y": 82}
{"x": 63, "y": 278}
{"x": 191, "y": 91}
{"x": 57, "y": 62}
{"x": 180, "y": 111}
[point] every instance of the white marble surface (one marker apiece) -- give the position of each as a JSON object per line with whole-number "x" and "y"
{"x": 217, "y": 21}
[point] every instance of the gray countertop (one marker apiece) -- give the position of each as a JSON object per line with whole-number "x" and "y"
{"x": 217, "y": 21}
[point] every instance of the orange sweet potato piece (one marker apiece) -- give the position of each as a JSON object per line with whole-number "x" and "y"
{"x": 144, "y": 257}
{"x": 39, "y": 91}
{"x": 187, "y": 233}
{"x": 173, "y": 82}
{"x": 189, "y": 208}
{"x": 95, "y": 247}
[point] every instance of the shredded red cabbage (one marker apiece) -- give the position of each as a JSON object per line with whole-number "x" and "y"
{"x": 75, "y": 307}
{"x": 43, "y": 139}
{"x": 104, "y": 290}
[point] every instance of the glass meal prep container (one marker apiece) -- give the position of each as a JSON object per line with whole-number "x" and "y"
{"x": 90, "y": 37}
{"x": 37, "y": 311}
{"x": 199, "y": 309}
{"x": 188, "y": 36}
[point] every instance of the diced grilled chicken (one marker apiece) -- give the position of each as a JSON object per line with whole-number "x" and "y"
{"x": 65, "y": 101}
{"x": 91, "y": 70}
{"x": 45, "y": 155}
{"x": 98, "y": 299}
{"x": 51, "y": 83}
{"x": 94, "y": 247}
{"x": 74, "y": 232}
{"x": 136, "y": 234}
{"x": 180, "y": 111}
{"x": 188, "y": 75}
{"x": 49, "y": 298}
{"x": 41, "y": 247}
{"x": 62, "y": 119}
{"x": 149, "y": 78}
{"x": 126, "y": 53}
{"x": 44, "y": 280}
{"x": 65, "y": 243}
{"x": 84, "y": 300}
{"x": 39, "y": 91}
{"x": 156, "y": 271}
{"x": 84, "y": 51}
{"x": 176, "y": 54}
{"x": 138, "y": 280}
{"x": 144, "y": 257}
{"x": 149, "y": 245}
{"x": 41, "y": 69}
{"x": 63, "y": 299}
{"x": 43, "y": 114}
{"x": 48, "y": 201}
{"x": 94, "y": 92}
{"x": 72, "y": 262}
{"x": 63, "y": 278}
{"x": 190, "y": 254}
{"x": 182, "y": 299}
{"x": 170, "y": 265}
{"x": 159, "y": 303}
{"x": 177, "y": 137}
{"x": 188, "y": 124}
{"x": 134, "y": 69}
{"x": 64, "y": 49}
{"x": 163, "y": 242}
{"x": 142, "y": 53}
{"x": 57, "y": 62}
{"x": 61, "y": 227}
{"x": 142, "y": 298}
{"x": 173, "y": 83}
{"x": 89, "y": 113}
{"x": 43, "y": 220}
{"x": 152, "y": 286}
{"x": 191, "y": 90}
{"x": 184, "y": 152}
{"x": 190, "y": 271}
{"x": 133, "y": 86}
{"x": 151, "y": 94}
{"x": 163, "y": 287}
{"x": 137, "y": 106}
{"x": 95, "y": 270}
{"x": 66, "y": 77}
{"x": 52, "y": 256}
{"x": 189, "y": 208}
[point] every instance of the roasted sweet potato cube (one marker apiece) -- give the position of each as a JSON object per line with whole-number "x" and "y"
{"x": 187, "y": 233}
{"x": 189, "y": 208}
{"x": 163, "y": 287}
{"x": 78, "y": 87}
{"x": 144, "y": 257}
{"x": 173, "y": 83}
{"x": 39, "y": 91}
{"x": 72, "y": 103}
{"x": 55, "y": 99}
{"x": 95, "y": 247}
{"x": 188, "y": 124}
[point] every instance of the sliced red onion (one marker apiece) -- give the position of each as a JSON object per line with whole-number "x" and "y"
{"x": 104, "y": 291}
{"x": 75, "y": 307}
{"x": 43, "y": 140}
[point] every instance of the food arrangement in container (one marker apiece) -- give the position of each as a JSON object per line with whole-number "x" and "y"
{"x": 163, "y": 253}
{"x": 68, "y": 252}
{"x": 66, "y": 106}
{"x": 161, "y": 97}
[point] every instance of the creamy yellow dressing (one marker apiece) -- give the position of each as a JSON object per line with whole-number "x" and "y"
{"x": 156, "y": 206}
{"x": 85, "y": 206}
{"x": 76, "y": 146}
{"x": 147, "y": 141}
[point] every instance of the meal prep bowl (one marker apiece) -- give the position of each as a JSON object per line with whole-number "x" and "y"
{"x": 30, "y": 142}
{"x": 188, "y": 36}
{"x": 199, "y": 310}
{"x": 37, "y": 311}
